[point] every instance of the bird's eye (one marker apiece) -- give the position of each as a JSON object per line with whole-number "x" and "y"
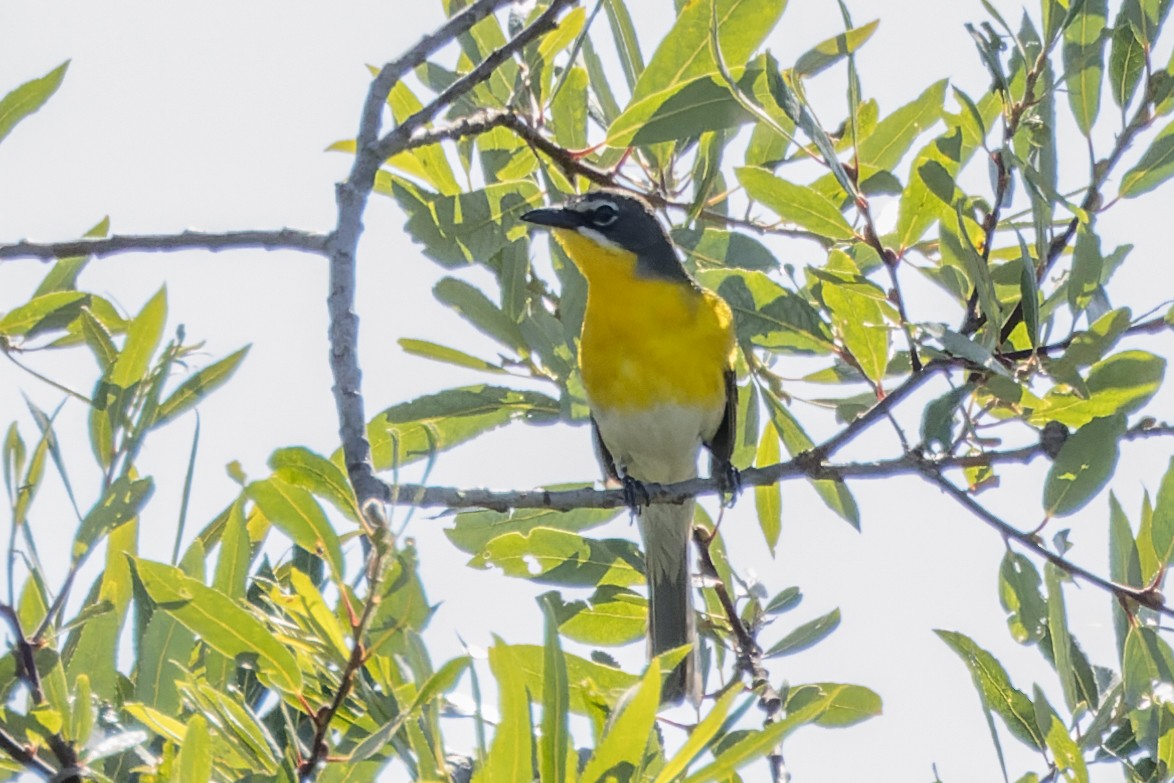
{"x": 604, "y": 215}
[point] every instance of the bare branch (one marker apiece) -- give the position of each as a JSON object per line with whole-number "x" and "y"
{"x": 805, "y": 465}
{"x": 281, "y": 239}
{"x": 351, "y": 197}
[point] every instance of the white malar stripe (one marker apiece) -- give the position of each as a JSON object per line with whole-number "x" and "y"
{"x": 600, "y": 239}
{"x": 660, "y": 445}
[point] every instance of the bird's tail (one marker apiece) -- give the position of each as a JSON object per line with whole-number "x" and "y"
{"x": 665, "y": 528}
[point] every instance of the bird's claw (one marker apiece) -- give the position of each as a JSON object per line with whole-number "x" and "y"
{"x": 729, "y": 484}
{"x": 635, "y": 494}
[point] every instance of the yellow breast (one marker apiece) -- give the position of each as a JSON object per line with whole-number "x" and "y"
{"x": 648, "y": 340}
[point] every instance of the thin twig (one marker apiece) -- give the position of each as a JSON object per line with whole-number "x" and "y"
{"x": 281, "y": 239}
{"x": 1146, "y": 596}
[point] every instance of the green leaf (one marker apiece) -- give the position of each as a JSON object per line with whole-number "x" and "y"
{"x": 1029, "y": 293}
{"x": 142, "y": 338}
{"x": 768, "y": 499}
{"x": 1155, "y": 167}
{"x": 1066, "y": 753}
{"x": 1162, "y": 524}
{"x": 834, "y": 494}
{"x": 561, "y": 558}
{"x": 827, "y": 53}
{"x": 29, "y": 97}
{"x": 476, "y": 308}
{"x": 555, "y": 745}
{"x": 845, "y": 705}
{"x": 937, "y": 423}
{"x": 1084, "y": 56}
{"x": 699, "y": 738}
{"x": 699, "y": 105}
{"x": 768, "y": 315}
{"x": 758, "y": 743}
{"x": 296, "y": 512}
{"x": 510, "y": 756}
{"x": 220, "y": 622}
{"x": 796, "y": 204}
{"x": 624, "y": 743}
{"x": 43, "y": 313}
{"x": 931, "y": 192}
{"x": 995, "y": 689}
{"x": 303, "y": 468}
{"x": 627, "y": 43}
{"x": 199, "y": 386}
{"x": 612, "y": 616}
{"x": 568, "y": 110}
{"x": 893, "y": 136}
{"x": 1020, "y": 595}
{"x": 1122, "y": 383}
{"x": 684, "y": 52}
{"x": 465, "y": 228}
{"x": 861, "y": 325}
{"x": 1061, "y": 639}
{"x": 1126, "y": 63}
{"x": 442, "y": 353}
{"x": 1087, "y": 265}
{"x": 474, "y": 529}
{"x": 424, "y": 427}
{"x": 714, "y": 247}
{"x": 807, "y": 635}
{"x": 1083, "y": 466}
{"x": 120, "y": 503}
{"x": 194, "y": 762}
{"x": 784, "y": 601}
{"x": 589, "y": 681}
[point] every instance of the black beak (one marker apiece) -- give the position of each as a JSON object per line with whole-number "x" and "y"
{"x": 554, "y": 217}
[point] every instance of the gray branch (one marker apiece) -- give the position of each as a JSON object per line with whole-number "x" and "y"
{"x": 281, "y": 239}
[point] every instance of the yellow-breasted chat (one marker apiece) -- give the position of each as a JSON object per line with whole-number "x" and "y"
{"x": 657, "y": 358}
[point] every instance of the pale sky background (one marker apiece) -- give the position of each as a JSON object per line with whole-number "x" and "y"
{"x": 215, "y": 116}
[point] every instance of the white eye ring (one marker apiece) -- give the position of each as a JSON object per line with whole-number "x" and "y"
{"x": 604, "y": 215}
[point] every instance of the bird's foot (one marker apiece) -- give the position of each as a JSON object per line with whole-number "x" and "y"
{"x": 635, "y": 494}
{"x": 729, "y": 484}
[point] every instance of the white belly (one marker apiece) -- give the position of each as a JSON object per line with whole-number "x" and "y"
{"x": 658, "y": 445}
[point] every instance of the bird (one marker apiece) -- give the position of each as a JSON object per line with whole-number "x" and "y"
{"x": 656, "y": 355}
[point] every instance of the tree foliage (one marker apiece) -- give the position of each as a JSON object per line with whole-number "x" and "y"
{"x": 251, "y": 665}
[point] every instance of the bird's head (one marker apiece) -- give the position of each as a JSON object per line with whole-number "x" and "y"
{"x": 605, "y": 223}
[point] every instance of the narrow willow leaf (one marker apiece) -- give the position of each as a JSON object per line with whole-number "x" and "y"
{"x": 423, "y": 427}
{"x": 1155, "y": 167}
{"x": 995, "y": 688}
{"x": 624, "y": 743}
{"x": 768, "y": 499}
{"x": 510, "y": 756}
{"x": 560, "y": 558}
{"x": 220, "y": 622}
{"x": 29, "y": 97}
{"x": 684, "y": 53}
{"x": 796, "y": 204}
{"x": 555, "y": 745}
{"x": 827, "y": 53}
{"x": 895, "y": 133}
{"x": 296, "y": 512}
{"x": 43, "y": 313}
{"x": 1126, "y": 63}
{"x": 1084, "y": 47}
{"x": 807, "y": 635}
{"x": 1162, "y": 523}
{"x": 1083, "y": 466}
{"x": 142, "y": 338}
{"x": 1021, "y": 597}
{"x": 860, "y": 322}
{"x": 199, "y": 386}
{"x": 195, "y": 755}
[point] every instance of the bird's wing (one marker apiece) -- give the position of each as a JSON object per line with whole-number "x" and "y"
{"x": 606, "y": 461}
{"x": 721, "y": 445}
